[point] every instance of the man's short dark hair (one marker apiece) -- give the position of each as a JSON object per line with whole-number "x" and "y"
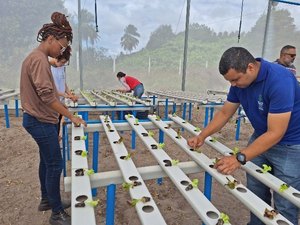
{"x": 236, "y": 58}
{"x": 286, "y": 48}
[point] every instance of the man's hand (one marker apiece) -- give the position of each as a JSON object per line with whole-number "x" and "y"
{"x": 227, "y": 164}
{"x": 195, "y": 142}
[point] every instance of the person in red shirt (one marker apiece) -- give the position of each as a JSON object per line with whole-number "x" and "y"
{"x": 130, "y": 84}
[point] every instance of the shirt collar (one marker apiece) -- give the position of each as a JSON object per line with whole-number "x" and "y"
{"x": 262, "y": 73}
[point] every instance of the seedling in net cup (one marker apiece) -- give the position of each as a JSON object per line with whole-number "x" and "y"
{"x": 231, "y": 184}
{"x": 224, "y": 219}
{"x": 270, "y": 213}
{"x": 151, "y": 133}
{"x": 192, "y": 185}
{"x": 161, "y": 145}
{"x": 119, "y": 141}
{"x": 106, "y": 119}
{"x": 178, "y": 133}
{"x": 128, "y": 185}
{"x": 283, "y": 187}
{"x": 266, "y": 168}
{"x": 136, "y": 122}
{"x": 77, "y": 138}
{"x": 134, "y": 201}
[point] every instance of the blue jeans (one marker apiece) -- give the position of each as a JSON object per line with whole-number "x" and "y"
{"x": 138, "y": 91}
{"x": 51, "y": 164}
{"x": 284, "y": 160}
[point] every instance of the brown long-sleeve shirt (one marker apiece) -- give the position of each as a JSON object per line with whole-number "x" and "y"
{"x": 37, "y": 87}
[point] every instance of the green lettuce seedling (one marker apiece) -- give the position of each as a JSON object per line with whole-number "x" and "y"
{"x": 127, "y": 186}
{"x": 231, "y": 184}
{"x": 235, "y": 150}
{"x": 224, "y": 218}
{"x": 161, "y": 145}
{"x": 92, "y": 203}
{"x": 213, "y": 139}
{"x": 84, "y": 153}
{"x": 266, "y": 168}
{"x": 283, "y": 187}
{"x": 150, "y": 133}
{"x": 197, "y": 129}
{"x": 174, "y": 162}
{"x": 90, "y": 172}
{"x": 195, "y": 183}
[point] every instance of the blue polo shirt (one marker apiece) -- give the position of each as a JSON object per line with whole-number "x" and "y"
{"x": 275, "y": 90}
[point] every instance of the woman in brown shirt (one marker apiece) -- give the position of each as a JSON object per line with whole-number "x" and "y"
{"x": 41, "y": 106}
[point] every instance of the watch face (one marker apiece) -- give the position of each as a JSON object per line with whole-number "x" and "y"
{"x": 241, "y": 158}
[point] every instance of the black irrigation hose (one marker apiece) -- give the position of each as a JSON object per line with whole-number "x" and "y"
{"x": 96, "y": 20}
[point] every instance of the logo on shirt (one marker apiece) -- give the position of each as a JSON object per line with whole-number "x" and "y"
{"x": 260, "y": 103}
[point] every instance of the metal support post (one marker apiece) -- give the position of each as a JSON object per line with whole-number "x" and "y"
{"x": 6, "y": 116}
{"x": 95, "y": 156}
{"x": 110, "y": 202}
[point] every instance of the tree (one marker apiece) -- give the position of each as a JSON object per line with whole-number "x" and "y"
{"x": 89, "y": 34}
{"x": 129, "y": 40}
{"x": 282, "y": 31}
{"x": 160, "y": 36}
{"x": 202, "y": 32}
{"x": 20, "y": 22}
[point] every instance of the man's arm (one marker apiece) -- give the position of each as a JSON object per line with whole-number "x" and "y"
{"x": 218, "y": 121}
{"x": 277, "y": 126}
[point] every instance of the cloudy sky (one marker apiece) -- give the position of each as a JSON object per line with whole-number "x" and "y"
{"x": 220, "y": 15}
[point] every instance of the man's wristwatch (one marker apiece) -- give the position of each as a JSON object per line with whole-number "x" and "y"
{"x": 241, "y": 158}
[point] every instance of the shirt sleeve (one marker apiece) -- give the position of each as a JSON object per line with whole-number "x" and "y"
{"x": 42, "y": 80}
{"x": 232, "y": 96}
{"x": 123, "y": 82}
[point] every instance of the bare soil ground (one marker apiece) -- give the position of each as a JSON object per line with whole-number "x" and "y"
{"x": 19, "y": 185}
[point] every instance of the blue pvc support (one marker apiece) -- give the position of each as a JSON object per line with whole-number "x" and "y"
{"x": 17, "y": 107}
{"x": 174, "y": 107}
{"x": 206, "y": 116}
{"x": 85, "y": 117}
{"x": 153, "y": 99}
{"x": 6, "y": 116}
{"x": 207, "y": 185}
{"x": 161, "y": 136}
{"x": 238, "y": 125}
{"x": 159, "y": 181}
{"x": 190, "y": 111}
{"x": 212, "y": 109}
{"x": 121, "y": 115}
{"x": 166, "y": 108}
{"x": 64, "y": 133}
{"x": 133, "y": 137}
{"x": 113, "y": 115}
{"x": 184, "y": 111}
{"x": 96, "y": 139}
{"x": 110, "y": 204}
{"x": 67, "y": 141}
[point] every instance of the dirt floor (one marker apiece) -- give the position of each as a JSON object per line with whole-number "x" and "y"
{"x": 20, "y": 194}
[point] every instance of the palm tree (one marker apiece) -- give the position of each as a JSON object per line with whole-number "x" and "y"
{"x": 89, "y": 35}
{"x": 129, "y": 40}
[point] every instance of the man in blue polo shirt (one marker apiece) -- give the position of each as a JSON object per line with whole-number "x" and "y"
{"x": 270, "y": 96}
